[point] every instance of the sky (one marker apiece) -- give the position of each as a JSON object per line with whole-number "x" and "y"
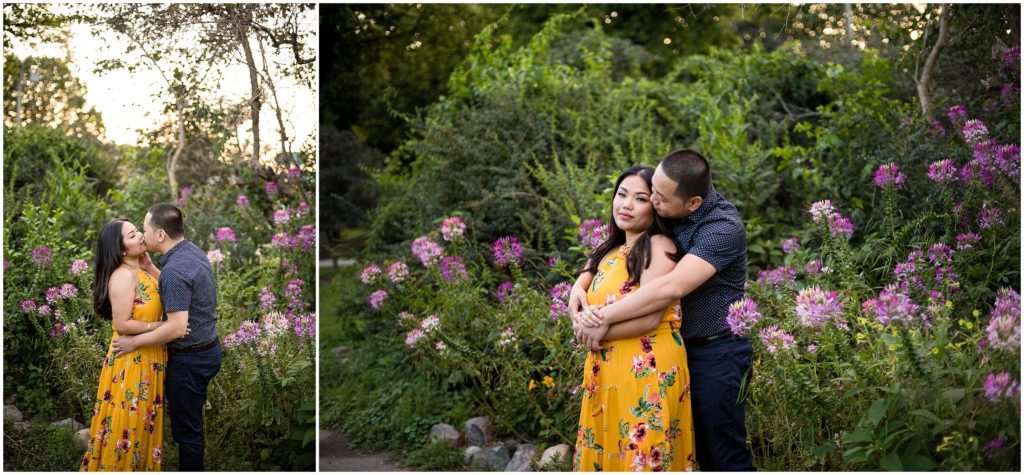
{"x": 126, "y": 99}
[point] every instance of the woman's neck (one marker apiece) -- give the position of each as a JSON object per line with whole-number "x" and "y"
{"x": 132, "y": 262}
{"x": 631, "y": 237}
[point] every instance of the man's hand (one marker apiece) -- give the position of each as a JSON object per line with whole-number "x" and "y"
{"x": 124, "y": 344}
{"x": 591, "y": 336}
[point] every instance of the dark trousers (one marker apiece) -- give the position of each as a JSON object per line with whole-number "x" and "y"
{"x": 188, "y": 375}
{"x": 716, "y": 373}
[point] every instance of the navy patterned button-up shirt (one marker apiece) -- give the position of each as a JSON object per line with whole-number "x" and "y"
{"x": 716, "y": 234}
{"x": 187, "y": 284}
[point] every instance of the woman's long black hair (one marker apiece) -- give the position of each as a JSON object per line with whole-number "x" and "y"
{"x": 109, "y": 249}
{"x": 639, "y": 257}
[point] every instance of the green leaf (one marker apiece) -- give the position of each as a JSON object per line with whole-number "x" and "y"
{"x": 955, "y": 395}
{"x": 877, "y": 411}
{"x": 863, "y": 434}
{"x": 891, "y": 463}
{"x": 918, "y": 463}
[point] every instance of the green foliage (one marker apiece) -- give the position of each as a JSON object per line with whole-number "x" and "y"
{"x": 40, "y": 447}
{"x": 437, "y": 457}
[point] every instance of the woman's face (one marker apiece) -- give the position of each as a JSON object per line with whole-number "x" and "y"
{"x": 632, "y": 206}
{"x": 133, "y": 240}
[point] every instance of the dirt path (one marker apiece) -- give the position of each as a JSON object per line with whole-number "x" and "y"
{"x": 338, "y": 455}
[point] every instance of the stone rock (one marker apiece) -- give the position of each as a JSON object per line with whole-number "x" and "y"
{"x": 559, "y": 452}
{"x": 445, "y": 433}
{"x": 511, "y": 445}
{"x": 69, "y": 423}
{"x": 82, "y": 437}
{"x": 340, "y": 351}
{"x": 478, "y": 431}
{"x": 522, "y": 459}
{"x": 494, "y": 458}
{"x": 469, "y": 452}
{"x": 12, "y": 414}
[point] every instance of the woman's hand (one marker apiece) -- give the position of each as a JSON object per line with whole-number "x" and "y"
{"x": 591, "y": 316}
{"x": 577, "y": 300}
{"x": 145, "y": 262}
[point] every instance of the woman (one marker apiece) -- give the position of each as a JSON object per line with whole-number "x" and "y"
{"x": 636, "y": 401}
{"x": 127, "y": 432}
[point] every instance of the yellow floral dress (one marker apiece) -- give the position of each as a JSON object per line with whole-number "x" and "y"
{"x": 636, "y": 391}
{"x": 127, "y": 430}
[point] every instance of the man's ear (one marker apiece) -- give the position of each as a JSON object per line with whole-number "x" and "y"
{"x": 694, "y": 203}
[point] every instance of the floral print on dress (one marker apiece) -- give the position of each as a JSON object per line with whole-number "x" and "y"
{"x": 126, "y": 432}
{"x": 635, "y": 416}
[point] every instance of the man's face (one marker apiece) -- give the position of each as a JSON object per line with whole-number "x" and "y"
{"x": 666, "y": 202}
{"x": 149, "y": 233}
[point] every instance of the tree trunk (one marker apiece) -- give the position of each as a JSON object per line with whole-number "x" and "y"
{"x": 848, "y": 10}
{"x": 255, "y": 104}
{"x": 172, "y": 164}
{"x": 277, "y": 104}
{"x": 929, "y": 66}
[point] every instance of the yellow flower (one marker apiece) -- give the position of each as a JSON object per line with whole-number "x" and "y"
{"x": 549, "y": 381}
{"x": 976, "y": 312}
{"x": 970, "y": 325}
{"x": 949, "y": 304}
{"x": 936, "y": 350}
{"x": 533, "y": 385}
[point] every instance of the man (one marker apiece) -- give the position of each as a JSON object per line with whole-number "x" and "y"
{"x": 709, "y": 278}
{"x": 189, "y": 296}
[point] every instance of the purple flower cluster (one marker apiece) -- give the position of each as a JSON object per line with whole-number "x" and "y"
{"x": 370, "y": 273}
{"x": 1011, "y": 57}
{"x": 398, "y": 271}
{"x": 282, "y": 217}
{"x": 892, "y": 307}
{"x": 966, "y": 241}
{"x": 253, "y": 333}
{"x": 559, "y": 301}
{"x": 975, "y": 131}
{"x": 999, "y": 386}
{"x": 42, "y": 256}
{"x": 957, "y": 114}
{"x": 413, "y": 336}
{"x": 64, "y": 292}
{"x": 815, "y": 308}
{"x": 1008, "y": 161}
{"x": 293, "y": 290}
{"x": 507, "y": 251}
{"x": 592, "y": 233}
{"x": 242, "y": 201}
{"x": 791, "y": 245}
{"x": 452, "y": 269}
{"x": 840, "y": 226}
{"x": 430, "y": 324}
{"x": 302, "y": 209}
{"x": 889, "y": 175}
{"x": 225, "y": 234}
{"x": 215, "y": 256}
{"x": 821, "y": 210}
{"x": 79, "y": 267}
{"x": 294, "y": 173}
{"x": 452, "y": 228}
{"x": 426, "y": 250}
{"x": 776, "y": 339}
{"x": 377, "y": 298}
{"x": 271, "y": 189}
{"x": 59, "y": 329}
{"x": 813, "y": 267}
{"x": 506, "y": 291}
{"x": 928, "y": 271}
{"x": 779, "y": 277}
{"x": 267, "y": 298}
{"x": 28, "y": 306}
{"x": 743, "y": 316}
{"x": 1004, "y": 322}
{"x": 990, "y": 216}
{"x": 942, "y": 171}
{"x": 993, "y": 447}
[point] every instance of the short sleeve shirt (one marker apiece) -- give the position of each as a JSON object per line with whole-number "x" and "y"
{"x": 716, "y": 234}
{"x": 187, "y": 284}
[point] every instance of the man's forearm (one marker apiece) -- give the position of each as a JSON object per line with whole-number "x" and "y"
{"x": 656, "y": 295}
{"x": 161, "y": 336}
{"x": 583, "y": 281}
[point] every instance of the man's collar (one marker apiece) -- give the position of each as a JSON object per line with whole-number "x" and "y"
{"x": 167, "y": 255}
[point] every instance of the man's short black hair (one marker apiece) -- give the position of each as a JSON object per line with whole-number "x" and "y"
{"x": 690, "y": 170}
{"x": 169, "y": 218}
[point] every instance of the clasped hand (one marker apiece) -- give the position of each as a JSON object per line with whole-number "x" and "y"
{"x": 587, "y": 321}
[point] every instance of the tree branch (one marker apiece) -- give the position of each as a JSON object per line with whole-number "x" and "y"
{"x": 929, "y": 65}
